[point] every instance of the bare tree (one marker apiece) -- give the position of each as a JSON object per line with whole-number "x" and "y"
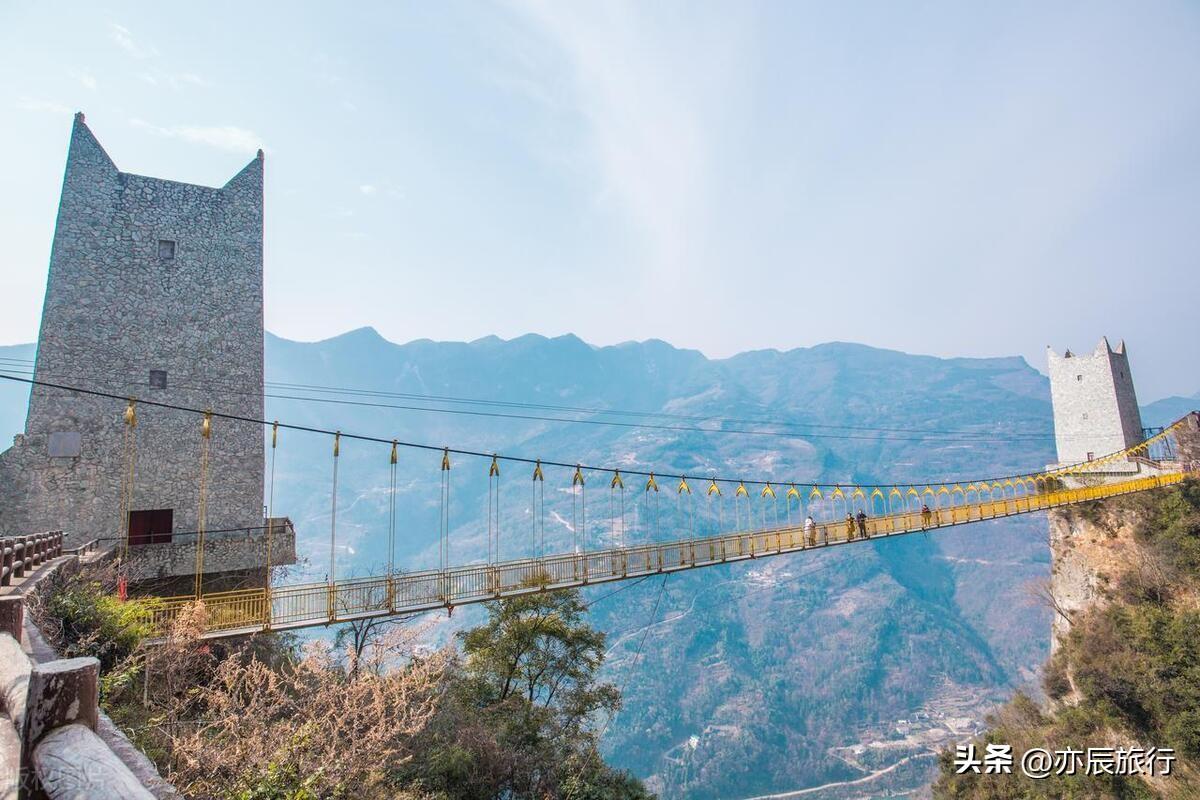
{"x": 1041, "y": 592}
{"x": 310, "y": 726}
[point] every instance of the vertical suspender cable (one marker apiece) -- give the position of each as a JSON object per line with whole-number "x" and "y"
{"x": 713, "y": 488}
{"x": 444, "y": 553}
{"x": 624, "y": 539}
{"x": 270, "y": 522}
{"x": 617, "y": 483}
{"x": 793, "y": 492}
{"x": 202, "y": 506}
{"x": 392, "y": 514}
{"x": 652, "y": 485}
{"x": 127, "y": 482}
{"x": 337, "y": 441}
{"x": 494, "y": 510}
{"x": 738, "y": 494}
{"x": 720, "y": 507}
{"x": 580, "y": 532}
{"x": 692, "y": 513}
{"x": 683, "y": 487}
{"x": 537, "y": 510}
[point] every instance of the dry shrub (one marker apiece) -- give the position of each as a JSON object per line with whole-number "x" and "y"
{"x": 328, "y": 732}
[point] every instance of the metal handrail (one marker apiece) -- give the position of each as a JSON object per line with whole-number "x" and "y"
{"x": 248, "y": 610}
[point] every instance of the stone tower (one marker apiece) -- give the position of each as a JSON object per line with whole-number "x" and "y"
{"x": 155, "y": 291}
{"x": 1095, "y": 407}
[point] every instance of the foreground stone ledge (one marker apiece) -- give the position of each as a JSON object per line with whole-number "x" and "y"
{"x": 73, "y": 763}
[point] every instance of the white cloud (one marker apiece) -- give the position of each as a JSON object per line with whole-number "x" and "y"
{"x": 224, "y": 137}
{"x": 367, "y": 189}
{"x": 42, "y": 106}
{"x": 87, "y": 80}
{"x": 175, "y": 80}
{"x": 649, "y": 85}
{"x": 124, "y": 39}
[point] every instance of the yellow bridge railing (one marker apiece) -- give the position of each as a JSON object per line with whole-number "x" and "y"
{"x": 246, "y": 611}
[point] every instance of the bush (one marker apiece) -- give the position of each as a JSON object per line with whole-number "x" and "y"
{"x": 1135, "y": 664}
{"x": 82, "y": 618}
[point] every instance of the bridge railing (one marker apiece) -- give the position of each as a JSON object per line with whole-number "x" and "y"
{"x": 322, "y": 603}
{"x": 48, "y": 741}
{"x": 22, "y": 554}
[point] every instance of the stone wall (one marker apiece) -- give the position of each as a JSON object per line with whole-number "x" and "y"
{"x": 1187, "y": 442}
{"x": 1095, "y": 405}
{"x": 227, "y": 551}
{"x": 121, "y": 303}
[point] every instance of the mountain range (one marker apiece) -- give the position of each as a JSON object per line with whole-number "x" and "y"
{"x": 746, "y": 679}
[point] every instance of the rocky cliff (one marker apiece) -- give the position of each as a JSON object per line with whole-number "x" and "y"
{"x": 1125, "y": 673}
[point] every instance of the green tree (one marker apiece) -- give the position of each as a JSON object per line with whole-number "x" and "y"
{"x": 540, "y": 647}
{"x": 521, "y": 719}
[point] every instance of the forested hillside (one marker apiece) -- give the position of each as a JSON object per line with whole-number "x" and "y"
{"x": 739, "y": 680}
{"x": 1127, "y": 673}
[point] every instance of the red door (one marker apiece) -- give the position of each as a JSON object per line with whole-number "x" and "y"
{"x": 151, "y": 527}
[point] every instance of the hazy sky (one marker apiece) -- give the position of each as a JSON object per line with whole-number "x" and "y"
{"x": 948, "y": 178}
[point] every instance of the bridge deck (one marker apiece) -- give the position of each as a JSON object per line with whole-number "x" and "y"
{"x": 241, "y": 612}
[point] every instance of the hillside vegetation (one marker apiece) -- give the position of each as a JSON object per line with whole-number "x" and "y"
{"x": 751, "y": 678}
{"x": 513, "y": 709}
{"x": 1126, "y": 674}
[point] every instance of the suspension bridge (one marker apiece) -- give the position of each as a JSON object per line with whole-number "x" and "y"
{"x": 718, "y": 525}
{"x": 718, "y": 520}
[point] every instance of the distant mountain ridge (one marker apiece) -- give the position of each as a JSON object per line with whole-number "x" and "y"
{"x": 751, "y": 678}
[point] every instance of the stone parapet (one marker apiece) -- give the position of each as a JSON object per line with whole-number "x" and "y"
{"x": 224, "y": 551}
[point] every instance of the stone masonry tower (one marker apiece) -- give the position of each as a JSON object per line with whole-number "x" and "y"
{"x": 1095, "y": 406}
{"x": 155, "y": 291}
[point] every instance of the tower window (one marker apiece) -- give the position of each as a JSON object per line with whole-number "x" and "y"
{"x": 166, "y": 248}
{"x": 158, "y": 379}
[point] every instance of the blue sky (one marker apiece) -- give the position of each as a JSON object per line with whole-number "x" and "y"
{"x": 946, "y": 178}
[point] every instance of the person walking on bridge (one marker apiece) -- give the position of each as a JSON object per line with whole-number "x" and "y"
{"x": 810, "y": 530}
{"x": 926, "y": 516}
{"x": 849, "y": 527}
{"x": 862, "y": 524}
